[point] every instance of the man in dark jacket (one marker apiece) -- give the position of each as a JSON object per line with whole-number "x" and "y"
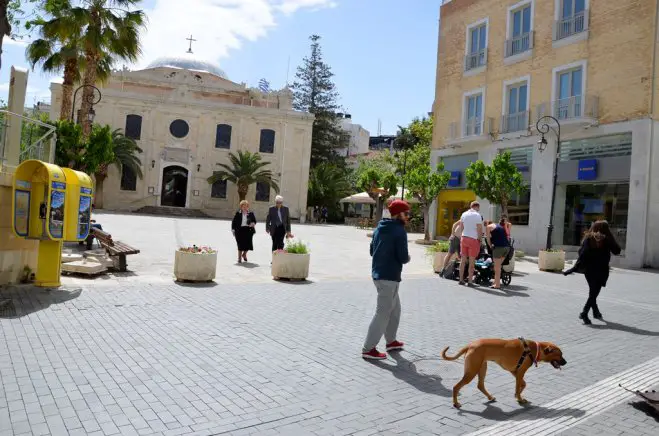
{"x": 278, "y": 223}
{"x": 389, "y": 252}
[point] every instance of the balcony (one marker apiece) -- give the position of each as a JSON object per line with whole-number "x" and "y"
{"x": 518, "y": 45}
{"x": 573, "y": 110}
{"x": 476, "y": 62}
{"x": 571, "y": 27}
{"x": 518, "y": 122}
{"x": 472, "y": 130}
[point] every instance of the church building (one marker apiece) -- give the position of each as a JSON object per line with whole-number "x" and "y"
{"x": 186, "y": 116}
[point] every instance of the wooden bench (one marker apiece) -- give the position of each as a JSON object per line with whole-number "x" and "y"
{"x": 114, "y": 248}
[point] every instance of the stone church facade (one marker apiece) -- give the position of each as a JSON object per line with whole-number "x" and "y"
{"x": 187, "y": 116}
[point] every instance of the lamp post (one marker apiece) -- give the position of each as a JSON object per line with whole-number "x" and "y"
{"x": 92, "y": 100}
{"x": 543, "y": 128}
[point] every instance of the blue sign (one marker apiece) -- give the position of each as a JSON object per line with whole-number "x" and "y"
{"x": 587, "y": 169}
{"x": 523, "y": 168}
{"x": 59, "y": 185}
{"x": 86, "y": 191}
{"x": 454, "y": 180}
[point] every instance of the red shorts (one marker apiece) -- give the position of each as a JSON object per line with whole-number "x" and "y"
{"x": 469, "y": 247}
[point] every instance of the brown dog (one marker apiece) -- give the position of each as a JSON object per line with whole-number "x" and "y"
{"x": 514, "y": 355}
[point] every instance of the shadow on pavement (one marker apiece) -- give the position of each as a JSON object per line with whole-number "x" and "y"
{"x": 196, "y": 285}
{"x": 609, "y": 325}
{"x": 17, "y": 302}
{"x": 505, "y": 291}
{"x": 644, "y": 407}
{"x": 405, "y": 370}
{"x": 495, "y": 413}
{"x": 248, "y": 265}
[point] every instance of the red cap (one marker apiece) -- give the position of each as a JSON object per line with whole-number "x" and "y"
{"x": 398, "y": 206}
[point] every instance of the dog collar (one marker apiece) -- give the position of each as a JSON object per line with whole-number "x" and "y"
{"x": 526, "y": 351}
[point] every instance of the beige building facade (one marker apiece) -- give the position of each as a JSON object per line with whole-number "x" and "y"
{"x": 187, "y": 116}
{"x": 591, "y": 65}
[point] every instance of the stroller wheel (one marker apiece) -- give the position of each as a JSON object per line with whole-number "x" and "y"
{"x": 506, "y": 278}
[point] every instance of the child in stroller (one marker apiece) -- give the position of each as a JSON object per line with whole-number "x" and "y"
{"x": 484, "y": 268}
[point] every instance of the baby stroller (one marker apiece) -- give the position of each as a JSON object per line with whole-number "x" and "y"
{"x": 484, "y": 267}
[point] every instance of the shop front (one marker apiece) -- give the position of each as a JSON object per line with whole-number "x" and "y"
{"x": 455, "y": 199}
{"x": 593, "y": 184}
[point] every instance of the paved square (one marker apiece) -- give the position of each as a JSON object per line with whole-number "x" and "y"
{"x": 139, "y": 354}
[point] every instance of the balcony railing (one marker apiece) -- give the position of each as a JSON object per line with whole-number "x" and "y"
{"x": 471, "y": 128}
{"x": 519, "y": 44}
{"x": 566, "y": 27}
{"x": 515, "y": 122}
{"x": 572, "y": 108}
{"x": 476, "y": 60}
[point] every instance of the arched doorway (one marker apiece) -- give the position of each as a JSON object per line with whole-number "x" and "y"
{"x": 174, "y": 186}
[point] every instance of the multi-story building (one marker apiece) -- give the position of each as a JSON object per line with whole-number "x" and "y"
{"x": 359, "y": 137}
{"x": 592, "y": 65}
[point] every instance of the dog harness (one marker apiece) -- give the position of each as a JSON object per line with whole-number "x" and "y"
{"x": 527, "y": 353}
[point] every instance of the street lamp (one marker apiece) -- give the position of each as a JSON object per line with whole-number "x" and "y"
{"x": 92, "y": 100}
{"x": 543, "y": 128}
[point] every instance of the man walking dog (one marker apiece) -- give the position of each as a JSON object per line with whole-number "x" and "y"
{"x": 390, "y": 253}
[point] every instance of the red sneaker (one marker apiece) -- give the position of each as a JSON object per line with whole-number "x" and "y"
{"x": 395, "y": 345}
{"x": 374, "y": 354}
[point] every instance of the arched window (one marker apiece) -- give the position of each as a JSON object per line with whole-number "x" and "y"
{"x": 133, "y": 126}
{"x": 223, "y": 136}
{"x": 267, "y": 144}
{"x": 128, "y": 179}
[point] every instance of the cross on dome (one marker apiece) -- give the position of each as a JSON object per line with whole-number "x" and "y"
{"x": 191, "y": 41}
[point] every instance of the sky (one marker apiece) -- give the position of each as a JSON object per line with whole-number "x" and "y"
{"x": 383, "y": 53}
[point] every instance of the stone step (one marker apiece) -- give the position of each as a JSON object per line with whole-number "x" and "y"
{"x": 171, "y": 211}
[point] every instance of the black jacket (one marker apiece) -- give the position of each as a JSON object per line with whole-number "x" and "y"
{"x": 594, "y": 260}
{"x": 238, "y": 220}
{"x": 273, "y": 218}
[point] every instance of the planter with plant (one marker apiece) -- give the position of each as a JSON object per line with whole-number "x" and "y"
{"x": 438, "y": 252}
{"x": 195, "y": 264}
{"x": 551, "y": 260}
{"x": 292, "y": 262}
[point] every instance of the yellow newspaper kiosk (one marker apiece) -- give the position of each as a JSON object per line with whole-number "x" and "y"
{"x": 51, "y": 205}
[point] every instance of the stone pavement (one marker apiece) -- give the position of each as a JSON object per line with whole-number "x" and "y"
{"x": 133, "y": 356}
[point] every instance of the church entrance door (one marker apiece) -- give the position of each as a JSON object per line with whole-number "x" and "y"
{"x": 174, "y": 186}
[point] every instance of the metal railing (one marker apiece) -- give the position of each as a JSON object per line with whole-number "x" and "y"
{"x": 476, "y": 60}
{"x": 519, "y": 44}
{"x": 571, "y": 108}
{"x": 566, "y": 27}
{"x": 515, "y": 122}
{"x": 42, "y": 148}
{"x": 473, "y": 127}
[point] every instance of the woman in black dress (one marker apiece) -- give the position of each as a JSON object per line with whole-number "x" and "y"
{"x": 243, "y": 230}
{"x": 594, "y": 257}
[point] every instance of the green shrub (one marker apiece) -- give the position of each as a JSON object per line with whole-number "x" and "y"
{"x": 296, "y": 247}
{"x": 439, "y": 247}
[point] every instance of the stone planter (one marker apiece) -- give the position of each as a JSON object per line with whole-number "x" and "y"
{"x": 438, "y": 261}
{"x": 195, "y": 267}
{"x": 290, "y": 266}
{"x": 551, "y": 260}
{"x": 510, "y": 267}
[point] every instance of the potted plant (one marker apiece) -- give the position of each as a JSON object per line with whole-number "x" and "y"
{"x": 438, "y": 253}
{"x": 195, "y": 264}
{"x": 551, "y": 260}
{"x": 292, "y": 262}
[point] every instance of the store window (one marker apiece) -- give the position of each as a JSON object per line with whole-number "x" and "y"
{"x": 586, "y": 203}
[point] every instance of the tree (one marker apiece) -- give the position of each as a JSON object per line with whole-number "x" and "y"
{"x": 377, "y": 177}
{"x": 12, "y": 14}
{"x": 110, "y": 28}
{"x": 245, "y": 169}
{"x": 124, "y": 155}
{"x": 59, "y": 48}
{"x": 497, "y": 182}
{"x": 327, "y": 185}
{"x": 315, "y": 92}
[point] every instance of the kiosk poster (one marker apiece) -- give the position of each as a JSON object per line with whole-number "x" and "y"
{"x": 22, "y": 212}
{"x": 56, "y": 224}
{"x": 84, "y": 216}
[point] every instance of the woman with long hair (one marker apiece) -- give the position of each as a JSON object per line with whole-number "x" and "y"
{"x": 242, "y": 227}
{"x": 497, "y": 239}
{"x": 594, "y": 257}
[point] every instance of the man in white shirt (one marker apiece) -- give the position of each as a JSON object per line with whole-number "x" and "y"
{"x": 471, "y": 224}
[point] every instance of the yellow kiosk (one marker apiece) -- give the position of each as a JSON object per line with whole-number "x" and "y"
{"x": 52, "y": 205}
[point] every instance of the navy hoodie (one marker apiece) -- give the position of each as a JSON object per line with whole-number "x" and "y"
{"x": 389, "y": 250}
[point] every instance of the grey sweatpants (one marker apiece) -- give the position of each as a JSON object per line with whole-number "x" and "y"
{"x": 387, "y": 314}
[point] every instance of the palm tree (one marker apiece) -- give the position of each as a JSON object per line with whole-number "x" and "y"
{"x": 327, "y": 185}
{"x": 124, "y": 155}
{"x": 109, "y": 28}
{"x": 245, "y": 169}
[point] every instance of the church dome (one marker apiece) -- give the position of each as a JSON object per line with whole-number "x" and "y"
{"x": 188, "y": 62}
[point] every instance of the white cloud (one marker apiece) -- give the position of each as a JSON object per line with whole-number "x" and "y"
{"x": 18, "y": 42}
{"x": 219, "y": 26}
